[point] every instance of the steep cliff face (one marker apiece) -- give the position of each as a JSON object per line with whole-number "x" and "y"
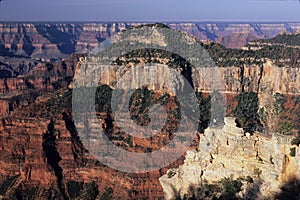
{"x": 23, "y": 46}
{"x": 40, "y": 140}
{"x": 230, "y": 153}
{"x": 42, "y": 78}
{"x": 273, "y": 68}
{"x": 56, "y": 40}
{"x": 264, "y": 78}
{"x": 38, "y": 75}
{"x": 267, "y": 78}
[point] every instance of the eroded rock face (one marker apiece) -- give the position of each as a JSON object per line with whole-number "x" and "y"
{"x": 228, "y": 152}
{"x": 267, "y": 78}
{"x": 42, "y": 78}
{"x": 56, "y": 40}
{"x": 26, "y": 134}
{"x": 40, "y": 145}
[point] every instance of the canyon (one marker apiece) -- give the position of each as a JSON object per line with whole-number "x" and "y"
{"x": 56, "y": 40}
{"x": 41, "y": 151}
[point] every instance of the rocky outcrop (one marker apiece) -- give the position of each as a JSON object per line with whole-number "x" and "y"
{"x": 229, "y": 152}
{"x": 56, "y": 40}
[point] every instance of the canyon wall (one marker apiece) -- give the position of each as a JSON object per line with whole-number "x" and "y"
{"x": 56, "y": 40}
{"x": 265, "y": 78}
{"x": 38, "y": 138}
{"x": 39, "y": 142}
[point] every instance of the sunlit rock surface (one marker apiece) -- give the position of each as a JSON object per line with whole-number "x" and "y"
{"x": 229, "y": 152}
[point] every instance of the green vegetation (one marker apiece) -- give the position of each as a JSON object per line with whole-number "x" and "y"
{"x": 224, "y": 57}
{"x": 296, "y": 141}
{"x": 171, "y": 173}
{"x": 74, "y": 188}
{"x": 249, "y": 179}
{"x": 226, "y": 188}
{"x": 246, "y": 112}
{"x": 89, "y": 192}
{"x": 281, "y": 51}
{"x": 278, "y": 104}
{"x": 159, "y": 25}
{"x": 29, "y": 193}
{"x": 50, "y": 193}
{"x": 107, "y": 194}
{"x": 205, "y": 111}
{"x": 293, "y": 152}
{"x": 277, "y": 52}
{"x": 231, "y": 187}
{"x": 263, "y": 116}
{"x": 79, "y": 190}
{"x": 285, "y": 127}
{"x": 102, "y": 98}
{"x": 129, "y": 141}
{"x": 286, "y": 39}
{"x": 139, "y": 105}
{"x": 211, "y": 190}
{"x": 257, "y": 172}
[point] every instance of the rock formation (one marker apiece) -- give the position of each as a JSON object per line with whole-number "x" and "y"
{"x": 40, "y": 146}
{"x": 38, "y": 137}
{"x": 56, "y": 40}
{"x": 229, "y": 152}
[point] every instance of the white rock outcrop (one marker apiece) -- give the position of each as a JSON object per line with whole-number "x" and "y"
{"x": 229, "y": 152}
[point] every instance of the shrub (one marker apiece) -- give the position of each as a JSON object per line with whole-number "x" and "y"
{"x": 205, "y": 111}
{"x": 257, "y": 172}
{"x": 293, "y": 152}
{"x": 107, "y": 194}
{"x": 74, "y": 188}
{"x": 211, "y": 190}
{"x": 171, "y": 174}
{"x": 249, "y": 179}
{"x": 296, "y": 141}
{"x": 246, "y": 112}
{"x": 102, "y": 98}
{"x": 89, "y": 192}
{"x": 231, "y": 187}
{"x": 278, "y": 104}
{"x": 285, "y": 127}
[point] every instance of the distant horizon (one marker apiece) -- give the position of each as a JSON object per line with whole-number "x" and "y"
{"x": 152, "y": 22}
{"x": 151, "y": 10}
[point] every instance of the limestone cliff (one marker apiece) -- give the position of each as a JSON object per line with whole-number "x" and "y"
{"x": 229, "y": 152}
